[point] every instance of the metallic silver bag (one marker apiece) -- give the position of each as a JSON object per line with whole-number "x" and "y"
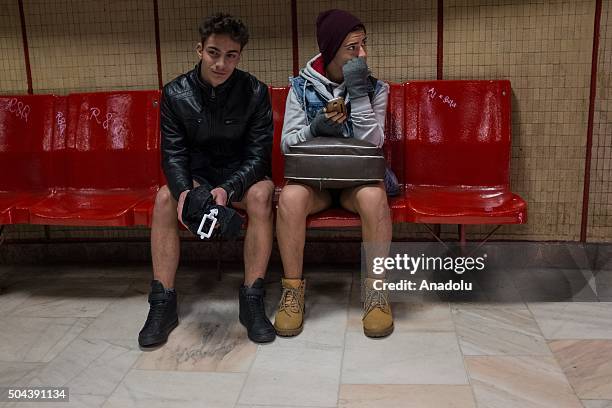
{"x": 332, "y": 162}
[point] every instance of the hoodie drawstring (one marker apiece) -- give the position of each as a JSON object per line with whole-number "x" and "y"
{"x": 304, "y": 103}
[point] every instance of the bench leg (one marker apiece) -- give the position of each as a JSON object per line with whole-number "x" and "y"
{"x": 437, "y": 229}
{"x": 485, "y": 239}
{"x": 436, "y": 235}
{"x": 219, "y": 258}
{"x": 461, "y": 231}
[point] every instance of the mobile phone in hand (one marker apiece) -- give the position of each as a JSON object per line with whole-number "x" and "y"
{"x": 336, "y": 105}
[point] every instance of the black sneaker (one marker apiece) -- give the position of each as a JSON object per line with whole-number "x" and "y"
{"x": 253, "y": 313}
{"x": 162, "y": 318}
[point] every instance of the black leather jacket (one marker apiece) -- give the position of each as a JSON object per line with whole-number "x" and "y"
{"x": 222, "y": 134}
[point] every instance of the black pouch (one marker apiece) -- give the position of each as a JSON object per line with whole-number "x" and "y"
{"x": 205, "y": 219}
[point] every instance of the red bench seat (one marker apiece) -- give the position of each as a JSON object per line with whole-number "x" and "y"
{"x": 458, "y": 140}
{"x": 27, "y": 125}
{"x": 107, "y": 161}
{"x": 93, "y": 159}
{"x": 464, "y": 205}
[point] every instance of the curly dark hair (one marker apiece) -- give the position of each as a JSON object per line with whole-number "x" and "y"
{"x": 222, "y": 23}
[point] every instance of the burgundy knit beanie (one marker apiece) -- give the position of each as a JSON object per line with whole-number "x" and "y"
{"x": 332, "y": 28}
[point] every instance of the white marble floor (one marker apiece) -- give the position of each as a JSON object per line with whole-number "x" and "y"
{"x": 76, "y": 326}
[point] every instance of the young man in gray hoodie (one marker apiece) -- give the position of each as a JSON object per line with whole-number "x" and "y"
{"x": 339, "y": 70}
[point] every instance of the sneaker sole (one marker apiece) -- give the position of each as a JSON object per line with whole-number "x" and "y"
{"x": 258, "y": 340}
{"x": 156, "y": 341}
{"x": 264, "y": 340}
{"x": 378, "y": 334}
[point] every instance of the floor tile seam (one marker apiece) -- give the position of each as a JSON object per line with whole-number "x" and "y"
{"x": 247, "y": 375}
{"x": 132, "y": 369}
{"x": 465, "y": 367}
{"x": 579, "y": 339}
{"x": 130, "y": 282}
{"x": 412, "y": 384}
{"x": 120, "y": 381}
{"x": 507, "y": 355}
{"x": 301, "y": 346}
{"x": 411, "y": 331}
{"x": 594, "y": 399}
{"x": 109, "y": 343}
{"x": 284, "y": 406}
{"x": 563, "y": 371}
{"x": 190, "y": 372}
{"x": 112, "y": 300}
{"x": 46, "y": 364}
{"x": 346, "y": 332}
{"x": 551, "y": 356}
{"x": 133, "y": 289}
{"x": 538, "y": 324}
{"x": 91, "y": 362}
{"x": 504, "y": 322}
{"x": 9, "y": 312}
{"x": 554, "y": 357}
{"x": 60, "y": 339}
{"x": 21, "y": 362}
{"x": 523, "y": 332}
{"x": 23, "y": 376}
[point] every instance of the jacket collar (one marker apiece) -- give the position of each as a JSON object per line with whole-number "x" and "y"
{"x": 209, "y": 92}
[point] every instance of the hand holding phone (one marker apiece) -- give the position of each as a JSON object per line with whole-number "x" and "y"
{"x": 335, "y": 105}
{"x": 326, "y": 124}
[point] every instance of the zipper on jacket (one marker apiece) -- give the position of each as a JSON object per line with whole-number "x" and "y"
{"x": 211, "y": 116}
{"x": 211, "y": 127}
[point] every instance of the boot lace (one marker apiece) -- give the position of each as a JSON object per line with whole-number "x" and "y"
{"x": 156, "y": 312}
{"x": 290, "y": 301}
{"x": 376, "y": 299}
{"x": 256, "y": 307}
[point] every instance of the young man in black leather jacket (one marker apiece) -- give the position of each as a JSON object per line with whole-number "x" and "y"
{"x": 216, "y": 124}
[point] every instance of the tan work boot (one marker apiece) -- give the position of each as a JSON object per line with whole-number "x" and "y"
{"x": 289, "y": 320}
{"x": 377, "y": 318}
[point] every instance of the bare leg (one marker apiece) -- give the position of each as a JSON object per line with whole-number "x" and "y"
{"x": 165, "y": 243}
{"x": 296, "y": 202}
{"x": 370, "y": 202}
{"x": 258, "y": 240}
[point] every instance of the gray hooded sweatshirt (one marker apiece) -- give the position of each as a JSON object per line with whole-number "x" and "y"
{"x": 368, "y": 117}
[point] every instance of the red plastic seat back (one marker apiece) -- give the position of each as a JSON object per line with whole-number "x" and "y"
{"x": 458, "y": 133}
{"x": 26, "y": 142}
{"x": 394, "y": 131}
{"x": 279, "y": 97}
{"x": 112, "y": 140}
